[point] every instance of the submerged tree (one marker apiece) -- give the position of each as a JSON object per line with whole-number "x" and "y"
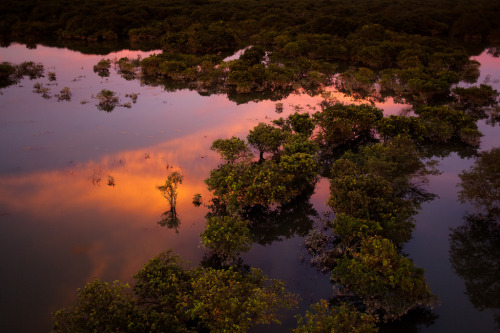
{"x": 374, "y": 194}
{"x": 107, "y": 100}
{"x": 102, "y": 67}
{"x": 380, "y": 187}
{"x": 7, "y": 75}
{"x": 232, "y": 150}
{"x": 342, "y": 127}
{"x": 242, "y": 182}
{"x": 64, "y": 95}
{"x": 230, "y": 301}
{"x": 390, "y": 285}
{"x": 197, "y": 200}
{"x": 266, "y": 139}
{"x": 100, "y": 307}
{"x": 341, "y": 318}
{"x": 227, "y": 236}
{"x": 169, "y": 189}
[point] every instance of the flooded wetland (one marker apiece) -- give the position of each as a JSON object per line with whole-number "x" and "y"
{"x": 85, "y": 148}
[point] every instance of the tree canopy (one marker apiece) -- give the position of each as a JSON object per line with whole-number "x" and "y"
{"x": 170, "y": 298}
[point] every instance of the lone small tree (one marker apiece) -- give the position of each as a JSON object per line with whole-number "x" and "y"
{"x": 169, "y": 189}
{"x": 266, "y": 139}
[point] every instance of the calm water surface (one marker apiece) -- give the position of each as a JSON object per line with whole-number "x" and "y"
{"x": 60, "y": 227}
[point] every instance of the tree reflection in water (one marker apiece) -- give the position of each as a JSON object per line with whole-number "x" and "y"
{"x": 170, "y": 220}
{"x": 294, "y": 218}
{"x": 475, "y": 245}
{"x": 474, "y": 255}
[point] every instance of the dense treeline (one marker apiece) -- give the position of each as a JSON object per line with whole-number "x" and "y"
{"x": 235, "y": 22}
{"x": 412, "y": 69}
{"x": 381, "y": 48}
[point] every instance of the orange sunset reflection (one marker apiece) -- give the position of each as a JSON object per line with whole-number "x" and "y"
{"x": 63, "y": 225}
{"x": 114, "y": 228}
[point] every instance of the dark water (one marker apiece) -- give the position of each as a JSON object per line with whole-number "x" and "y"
{"x": 62, "y": 226}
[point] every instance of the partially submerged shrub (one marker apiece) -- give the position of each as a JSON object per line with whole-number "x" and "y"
{"x": 64, "y": 95}
{"x": 107, "y": 100}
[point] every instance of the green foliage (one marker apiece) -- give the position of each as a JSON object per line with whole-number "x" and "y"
{"x": 147, "y": 19}
{"x": 52, "y": 76}
{"x": 229, "y": 182}
{"x": 441, "y": 123}
{"x": 301, "y": 123}
{"x": 266, "y": 139}
{"x": 280, "y": 182}
{"x": 163, "y": 291}
{"x": 247, "y": 183}
{"x": 107, "y": 100}
{"x": 169, "y": 298}
{"x": 127, "y": 67}
{"x": 379, "y": 188}
{"x": 388, "y": 282}
{"x": 64, "y": 95}
{"x": 300, "y": 43}
{"x": 253, "y": 55}
{"x": 40, "y": 89}
{"x": 169, "y": 189}
{"x": 298, "y": 143}
{"x": 396, "y": 160}
{"x": 200, "y": 38}
{"x": 30, "y": 69}
{"x": 197, "y": 200}
{"x": 350, "y": 231}
{"x": 374, "y": 190}
{"x": 144, "y": 33}
{"x": 292, "y": 169}
{"x": 227, "y": 236}
{"x": 474, "y": 100}
{"x": 7, "y": 74}
{"x": 392, "y": 126}
{"x": 230, "y": 301}
{"x": 11, "y": 74}
{"x": 342, "y": 318}
{"x": 370, "y": 197}
{"x": 232, "y": 149}
{"x": 339, "y": 124}
{"x": 101, "y": 307}
{"x": 102, "y": 67}
{"x": 436, "y": 124}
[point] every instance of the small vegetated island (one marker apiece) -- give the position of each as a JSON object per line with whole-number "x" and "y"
{"x": 413, "y": 52}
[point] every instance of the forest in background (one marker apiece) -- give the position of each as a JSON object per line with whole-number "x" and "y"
{"x": 376, "y": 165}
{"x": 226, "y": 24}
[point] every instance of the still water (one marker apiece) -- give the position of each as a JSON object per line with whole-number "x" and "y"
{"x": 62, "y": 225}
